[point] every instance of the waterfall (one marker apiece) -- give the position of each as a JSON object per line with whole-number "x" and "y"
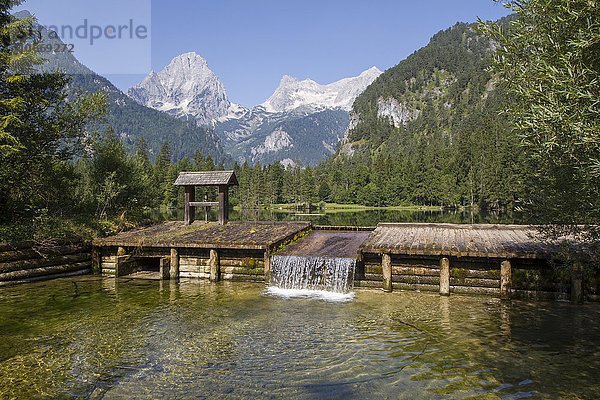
{"x": 324, "y": 277}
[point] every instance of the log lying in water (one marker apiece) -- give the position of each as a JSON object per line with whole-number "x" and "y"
{"x": 42, "y": 271}
{"x": 32, "y": 253}
{"x": 42, "y": 262}
{"x": 46, "y": 277}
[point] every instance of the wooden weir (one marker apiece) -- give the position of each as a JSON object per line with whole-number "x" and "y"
{"x": 505, "y": 261}
{"x": 500, "y": 260}
{"x": 236, "y": 251}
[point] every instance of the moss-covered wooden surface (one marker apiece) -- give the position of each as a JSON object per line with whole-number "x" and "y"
{"x": 235, "y": 235}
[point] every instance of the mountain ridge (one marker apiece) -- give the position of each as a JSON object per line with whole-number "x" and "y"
{"x": 293, "y": 93}
{"x": 301, "y": 123}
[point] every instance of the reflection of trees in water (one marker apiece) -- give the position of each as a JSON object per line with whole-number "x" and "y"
{"x": 374, "y": 217}
{"x": 356, "y": 218}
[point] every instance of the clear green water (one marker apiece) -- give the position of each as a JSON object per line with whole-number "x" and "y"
{"x": 97, "y": 338}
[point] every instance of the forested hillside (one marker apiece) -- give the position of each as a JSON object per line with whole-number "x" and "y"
{"x": 429, "y": 131}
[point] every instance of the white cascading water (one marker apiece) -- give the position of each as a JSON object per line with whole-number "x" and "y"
{"x": 319, "y": 277}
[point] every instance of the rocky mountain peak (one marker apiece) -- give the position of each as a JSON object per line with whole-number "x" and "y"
{"x": 187, "y": 87}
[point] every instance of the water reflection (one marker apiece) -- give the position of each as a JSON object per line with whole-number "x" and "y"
{"x": 349, "y": 217}
{"x": 113, "y": 339}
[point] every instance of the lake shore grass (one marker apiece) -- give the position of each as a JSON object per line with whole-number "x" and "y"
{"x": 336, "y": 207}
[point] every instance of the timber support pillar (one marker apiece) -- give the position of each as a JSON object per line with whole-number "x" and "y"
{"x": 96, "y": 261}
{"x": 386, "y": 265}
{"x": 576, "y": 283}
{"x": 505, "y": 280}
{"x": 174, "y": 270}
{"x": 267, "y": 266}
{"x": 123, "y": 266}
{"x": 445, "y": 277}
{"x": 223, "y": 204}
{"x": 164, "y": 268}
{"x": 215, "y": 266}
{"x": 190, "y": 210}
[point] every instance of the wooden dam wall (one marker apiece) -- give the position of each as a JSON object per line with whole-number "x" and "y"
{"x": 526, "y": 279}
{"x": 29, "y": 262}
{"x": 508, "y": 261}
{"x": 499, "y": 261}
{"x": 226, "y": 264}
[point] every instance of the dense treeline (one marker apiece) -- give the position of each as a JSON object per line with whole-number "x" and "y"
{"x": 62, "y": 172}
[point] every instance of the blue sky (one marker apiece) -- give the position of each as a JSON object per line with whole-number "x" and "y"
{"x": 251, "y": 44}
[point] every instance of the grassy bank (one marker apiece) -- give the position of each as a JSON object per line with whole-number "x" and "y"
{"x": 336, "y": 207}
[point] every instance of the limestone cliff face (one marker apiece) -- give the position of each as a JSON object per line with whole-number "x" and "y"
{"x": 302, "y": 122}
{"x": 397, "y": 112}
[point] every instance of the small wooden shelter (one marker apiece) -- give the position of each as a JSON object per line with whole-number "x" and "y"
{"x": 221, "y": 179}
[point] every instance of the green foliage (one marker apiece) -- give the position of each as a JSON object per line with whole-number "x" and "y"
{"x": 548, "y": 59}
{"x": 41, "y": 131}
{"x": 453, "y": 147}
{"x": 15, "y": 62}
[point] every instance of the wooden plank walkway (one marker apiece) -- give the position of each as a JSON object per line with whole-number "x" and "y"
{"x": 486, "y": 241}
{"x": 234, "y": 235}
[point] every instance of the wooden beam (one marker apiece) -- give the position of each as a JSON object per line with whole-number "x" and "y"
{"x": 445, "y": 277}
{"x": 505, "y": 280}
{"x": 174, "y": 271}
{"x": 204, "y": 203}
{"x": 215, "y": 267}
{"x": 190, "y": 210}
{"x": 386, "y": 264}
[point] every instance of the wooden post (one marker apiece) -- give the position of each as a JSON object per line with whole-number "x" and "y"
{"x": 576, "y": 283}
{"x": 386, "y": 265}
{"x": 96, "y": 260}
{"x": 165, "y": 267}
{"x": 215, "y": 267}
{"x": 267, "y": 266}
{"x": 120, "y": 269}
{"x": 223, "y": 204}
{"x": 124, "y": 266}
{"x": 445, "y": 277}
{"x": 190, "y": 211}
{"x": 174, "y": 264}
{"x": 505, "y": 280}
